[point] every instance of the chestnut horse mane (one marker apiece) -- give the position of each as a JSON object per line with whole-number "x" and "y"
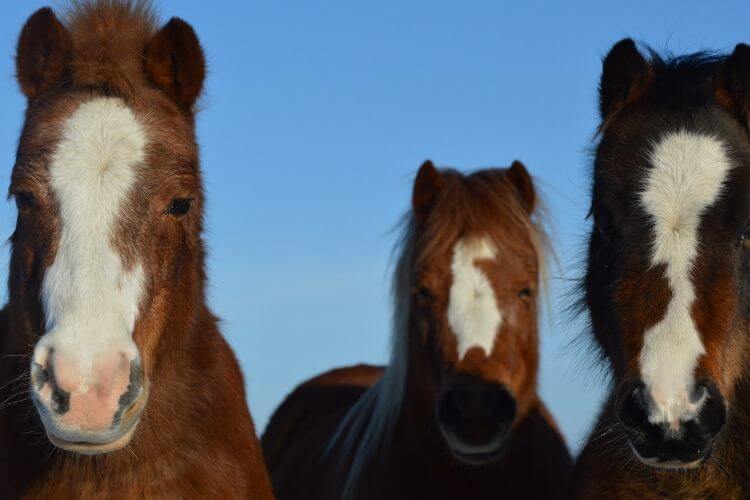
{"x": 108, "y": 38}
{"x": 482, "y": 200}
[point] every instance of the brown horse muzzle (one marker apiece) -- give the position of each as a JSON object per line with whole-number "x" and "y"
{"x": 476, "y": 417}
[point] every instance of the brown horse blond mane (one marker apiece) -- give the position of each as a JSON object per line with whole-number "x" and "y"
{"x": 468, "y": 204}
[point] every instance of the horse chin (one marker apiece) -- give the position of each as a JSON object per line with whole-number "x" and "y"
{"x": 87, "y": 448}
{"x": 475, "y": 455}
{"x": 94, "y": 443}
{"x": 670, "y": 464}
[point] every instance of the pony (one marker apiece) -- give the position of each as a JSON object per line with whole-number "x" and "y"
{"x": 667, "y": 277}
{"x": 455, "y": 413}
{"x": 116, "y": 381}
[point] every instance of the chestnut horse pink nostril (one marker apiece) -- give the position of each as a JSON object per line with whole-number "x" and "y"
{"x": 90, "y": 400}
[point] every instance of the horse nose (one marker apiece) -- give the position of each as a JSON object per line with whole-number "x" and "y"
{"x": 476, "y": 411}
{"x": 685, "y": 440}
{"x": 88, "y": 397}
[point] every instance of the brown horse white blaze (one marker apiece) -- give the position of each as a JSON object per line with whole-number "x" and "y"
{"x": 667, "y": 276}
{"x": 106, "y": 315}
{"x": 455, "y": 414}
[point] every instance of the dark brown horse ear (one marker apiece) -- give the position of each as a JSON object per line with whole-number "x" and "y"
{"x": 43, "y": 54}
{"x": 521, "y": 180}
{"x": 173, "y": 61}
{"x": 732, "y": 84}
{"x": 624, "y": 77}
{"x": 427, "y": 185}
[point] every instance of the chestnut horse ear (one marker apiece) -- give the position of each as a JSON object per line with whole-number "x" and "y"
{"x": 732, "y": 84}
{"x": 43, "y": 54}
{"x": 521, "y": 180}
{"x": 624, "y": 77}
{"x": 427, "y": 185}
{"x": 173, "y": 61}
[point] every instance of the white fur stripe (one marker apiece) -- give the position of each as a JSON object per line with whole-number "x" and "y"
{"x": 687, "y": 174}
{"x": 90, "y": 301}
{"x": 473, "y": 313}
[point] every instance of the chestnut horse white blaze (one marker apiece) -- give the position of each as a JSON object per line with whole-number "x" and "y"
{"x": 107, "y": 319}
{"x": 84, "y": 363}
{"x": 455, "y": 414}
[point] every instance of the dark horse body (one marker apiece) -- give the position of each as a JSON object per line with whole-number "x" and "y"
{"x": 116, "y": 382}
{"x": 426, "y": 425}
{"x": 667, "y": 278}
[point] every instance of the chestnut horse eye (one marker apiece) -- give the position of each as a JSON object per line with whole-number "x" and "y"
{"x": 178, "y": 207}
{"x": 24, "y": 200}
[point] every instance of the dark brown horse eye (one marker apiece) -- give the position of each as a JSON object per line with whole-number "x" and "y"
{"x": 24, "y": 200}
{"x": 526, "y": 293}
{"x": 745, "y": 239}
{"x": 179, "y": 207}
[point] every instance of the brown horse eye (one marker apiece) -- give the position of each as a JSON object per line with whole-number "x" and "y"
{"x": 24, "y": 200}
{"x": 179, "y": 207}
{"x": 424, "y": 295}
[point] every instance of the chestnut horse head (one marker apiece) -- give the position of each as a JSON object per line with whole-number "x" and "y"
{"x": 667, "y": 277}
{"x": 107, "y": 245}
{"x": 465, "y": 345}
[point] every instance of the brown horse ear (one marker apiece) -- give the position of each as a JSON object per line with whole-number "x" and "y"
{"x": 521, "y": 180}
{"x": 173, "y": 61}
{"x": 732, "y": 84}
{"x": 427, "y": 185}
{"x": 43, "y": 54}
{"x": 624, "y": 78}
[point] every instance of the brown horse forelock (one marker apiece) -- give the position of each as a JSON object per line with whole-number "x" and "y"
{"x": 484, "y": 204}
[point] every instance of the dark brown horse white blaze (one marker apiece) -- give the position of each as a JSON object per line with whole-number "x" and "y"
{"x": 668, "y": 278}
{"x": 108, "y": 347}
{"x": 455, "y": 414}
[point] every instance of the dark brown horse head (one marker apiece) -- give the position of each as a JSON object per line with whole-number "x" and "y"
{"x": 107, "y": 245}
{"x": 476, "y": 275}
{"x": 667, "y": 278}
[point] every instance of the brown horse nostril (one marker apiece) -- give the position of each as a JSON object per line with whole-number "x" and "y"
{"x": 476, "y": 403}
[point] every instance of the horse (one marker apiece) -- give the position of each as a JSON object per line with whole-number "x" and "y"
{"x": 455, "y": 413}
{"x": 666, "y": 281}
{"x": 116, "y": 381}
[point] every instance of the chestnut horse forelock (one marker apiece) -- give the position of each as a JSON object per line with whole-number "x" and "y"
{"x": 477, "y": 224}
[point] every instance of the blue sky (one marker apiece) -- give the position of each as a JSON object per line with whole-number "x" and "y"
{"x": 315, "y": 118}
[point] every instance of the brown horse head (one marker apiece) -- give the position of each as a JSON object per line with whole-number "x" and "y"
{"x": 475, "y": 280}
{"x": 107, "y": 245}
{"x": 667, "y": 282}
